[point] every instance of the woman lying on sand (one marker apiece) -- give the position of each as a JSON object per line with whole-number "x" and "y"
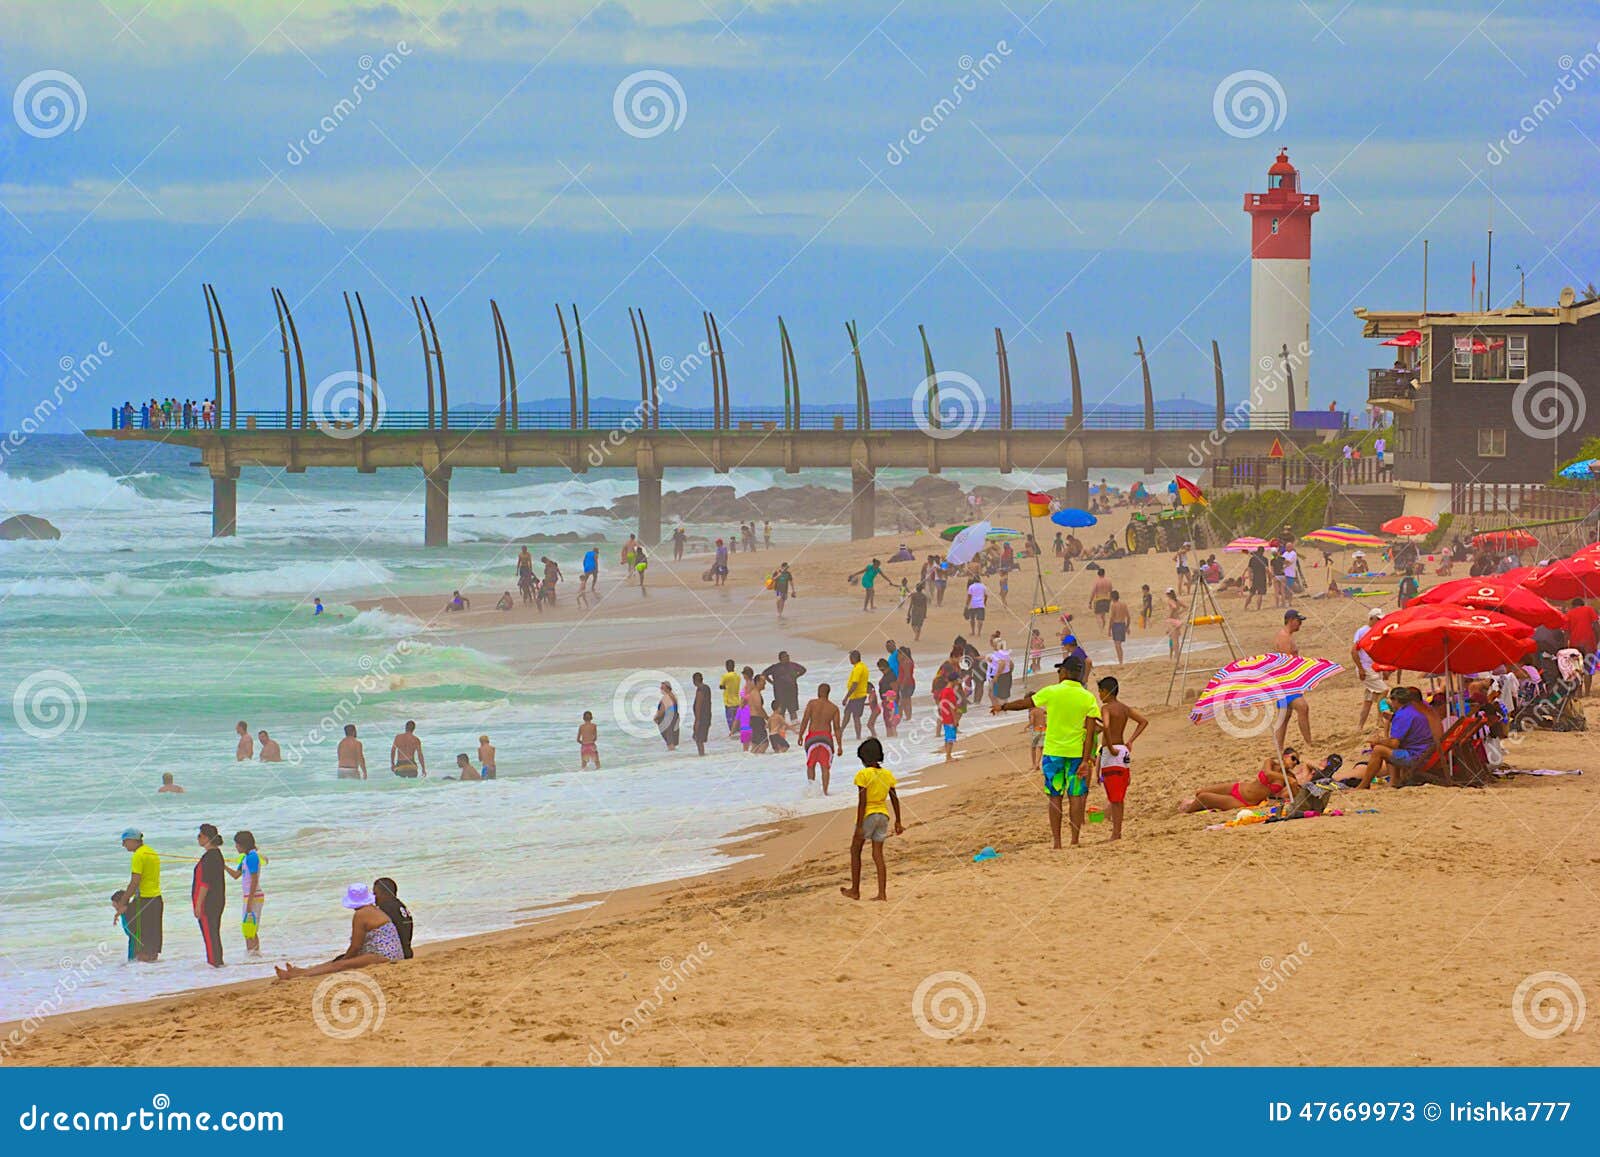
{"x": 1268, "y": 783}
{"x": 373, "y": 939}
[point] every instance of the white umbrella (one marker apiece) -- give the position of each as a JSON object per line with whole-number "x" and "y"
{"x": 965, "y": 546}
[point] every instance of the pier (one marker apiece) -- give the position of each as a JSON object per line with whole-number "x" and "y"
{"x": 953, "y": 423}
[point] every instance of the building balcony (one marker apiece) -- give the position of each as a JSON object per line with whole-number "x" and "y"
{"x": 1392, "y": 389}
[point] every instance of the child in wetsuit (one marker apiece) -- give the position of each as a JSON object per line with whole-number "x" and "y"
{"x": 119, "y": 901}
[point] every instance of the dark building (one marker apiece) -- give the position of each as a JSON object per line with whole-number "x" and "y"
{"x": 1504, "y": 396}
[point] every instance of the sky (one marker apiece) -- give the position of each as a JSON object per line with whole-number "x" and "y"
{"x": 1036, "y": 165}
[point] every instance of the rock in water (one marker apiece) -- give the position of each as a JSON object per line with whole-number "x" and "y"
{"x": 27, "y": 526}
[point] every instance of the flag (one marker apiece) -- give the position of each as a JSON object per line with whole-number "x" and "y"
{"x": 1038, "y": 505}
{"x": 1188, "y": 493}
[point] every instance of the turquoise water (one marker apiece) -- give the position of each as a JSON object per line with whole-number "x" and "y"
{"x": 133, "y": 645}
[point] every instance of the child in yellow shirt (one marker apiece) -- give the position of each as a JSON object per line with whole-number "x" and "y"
{"x": 875, "y": 795}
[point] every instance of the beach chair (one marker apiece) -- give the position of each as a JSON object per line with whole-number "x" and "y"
{"x": 1458, "y": 760}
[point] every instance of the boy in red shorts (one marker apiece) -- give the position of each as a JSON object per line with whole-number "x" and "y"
{"x": 1116, "y": 756}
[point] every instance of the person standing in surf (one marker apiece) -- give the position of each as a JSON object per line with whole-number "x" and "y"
{"x": 208, "y": 895}
{"x": 702, "y": 713}
{"x": 405, "y": 754}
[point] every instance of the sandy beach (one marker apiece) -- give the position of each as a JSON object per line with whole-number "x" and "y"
{"x": 1398, "y": 936}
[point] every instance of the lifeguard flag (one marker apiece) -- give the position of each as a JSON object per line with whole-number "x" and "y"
{"x": 1038, "y": 505}
{"x": 1188, "y": 493}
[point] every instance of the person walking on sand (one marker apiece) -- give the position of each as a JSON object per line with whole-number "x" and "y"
{"x": 1260, "y": 573}
{"x": 248, "y": 872}
{"x": 917, "y": 611}
{"x": 783, "y": 588}
{"x": 351, "y": 757}
{"x": 405, "y": 754}
{"x": 875, "y": 795}
{"x": 702, "y": 713}
{"x": 208, "y": 895}
{"x": 869, "y": 581}
{"x": 680, "y": 538}
{"x": 143, "y": 896}
{"x": 1072, "y": 723}
{"x": 1119, "y": 616}
{"x": 719, "y": 564}
{"x": 246, "y": 749}
{"x": 821, "y": 733}
{"x": 1100, "y": 596}
{"x": 1285, "y": 644}
{"x": 588, "y": 740}
{"x": 1116, "y": 752}
{"x": 977, "y": 597}
{"x": 948, "y": 705}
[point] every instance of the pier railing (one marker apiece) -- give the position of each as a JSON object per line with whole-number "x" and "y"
{"x": 1259, "y": 472}
{"x": 1491, "y": 504}
{"x": 750, "y": 418}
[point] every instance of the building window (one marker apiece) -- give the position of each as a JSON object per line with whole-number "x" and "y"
{"x": 1274, "y": 224}
{"x": 1404, "y": 441}
{"x": 1491, "y": 443}
{"x": 1489, "y": 357}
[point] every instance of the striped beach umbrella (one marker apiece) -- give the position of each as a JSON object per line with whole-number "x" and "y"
{"x": 1258, "y": 680}
{"x": 1245, "y": 545}
{"x": 1346, "y": 536}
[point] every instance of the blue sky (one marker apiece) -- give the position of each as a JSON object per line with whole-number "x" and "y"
{"x": 1083, "y": 182}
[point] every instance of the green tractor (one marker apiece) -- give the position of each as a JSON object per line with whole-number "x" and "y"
{"x": 1166, "y": 532}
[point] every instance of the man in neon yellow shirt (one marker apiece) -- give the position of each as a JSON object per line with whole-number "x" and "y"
{"x": 144, "y": 896}
{"x": 1072, "y": 724}
{"x": 731, "y": 685}
{"x": 855, "y": 691}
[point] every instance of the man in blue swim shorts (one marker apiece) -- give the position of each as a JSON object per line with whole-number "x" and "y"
{"x": 1295, "y": 706}
{"x": 1072, "y": 721}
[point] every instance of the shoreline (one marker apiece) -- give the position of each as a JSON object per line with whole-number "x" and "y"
{"x": 1106, "y": 954}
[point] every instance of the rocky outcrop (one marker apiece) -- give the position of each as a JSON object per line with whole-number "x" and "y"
{"x": 24, "y": 526}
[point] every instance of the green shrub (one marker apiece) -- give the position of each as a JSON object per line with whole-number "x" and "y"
{"x": 1263, "y": 515}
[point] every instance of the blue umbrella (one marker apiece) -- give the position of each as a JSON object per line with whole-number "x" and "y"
{"x": 1581, "y": 469}
{"x": 1073, "y": 517}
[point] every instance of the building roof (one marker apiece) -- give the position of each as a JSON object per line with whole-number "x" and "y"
{"x": 1387, "y": 323}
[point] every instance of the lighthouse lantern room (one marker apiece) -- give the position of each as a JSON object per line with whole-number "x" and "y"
{"x": 1280, "y": 295}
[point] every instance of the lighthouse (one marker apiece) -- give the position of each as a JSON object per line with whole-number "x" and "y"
{"x": 1280, "y": 295}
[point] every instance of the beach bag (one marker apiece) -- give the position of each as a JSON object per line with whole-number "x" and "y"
{"x": 1311, "y": 797}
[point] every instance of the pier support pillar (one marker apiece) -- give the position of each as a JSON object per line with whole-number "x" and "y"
{"x": 1076, "y": 493}
{"x": 436, "y": 507}
{"x": 649, "y": 507}
{"x": 863, "y": 502}
{"x": 225, "y": 503}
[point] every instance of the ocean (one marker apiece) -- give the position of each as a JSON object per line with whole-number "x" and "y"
{"x": 132, "y": 646}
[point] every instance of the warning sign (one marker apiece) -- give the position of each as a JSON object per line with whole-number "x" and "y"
{"x": 1277, "y": 449}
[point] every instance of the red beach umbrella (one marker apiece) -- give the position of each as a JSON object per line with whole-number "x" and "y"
{"x": 1409, "y": 526}
{"x": 1436, "y": 639}
{"x": 1571, "y": 578}
{"x": 1493, "y": 594}
{"x": 1505, "y": 540}
{"x": 1411, "y": 339}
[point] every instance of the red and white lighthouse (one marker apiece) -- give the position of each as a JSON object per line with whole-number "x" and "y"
{"x": 1280, "y": 294}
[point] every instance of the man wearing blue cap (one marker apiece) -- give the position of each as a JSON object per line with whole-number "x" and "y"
{"x": 144, "y": 896}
